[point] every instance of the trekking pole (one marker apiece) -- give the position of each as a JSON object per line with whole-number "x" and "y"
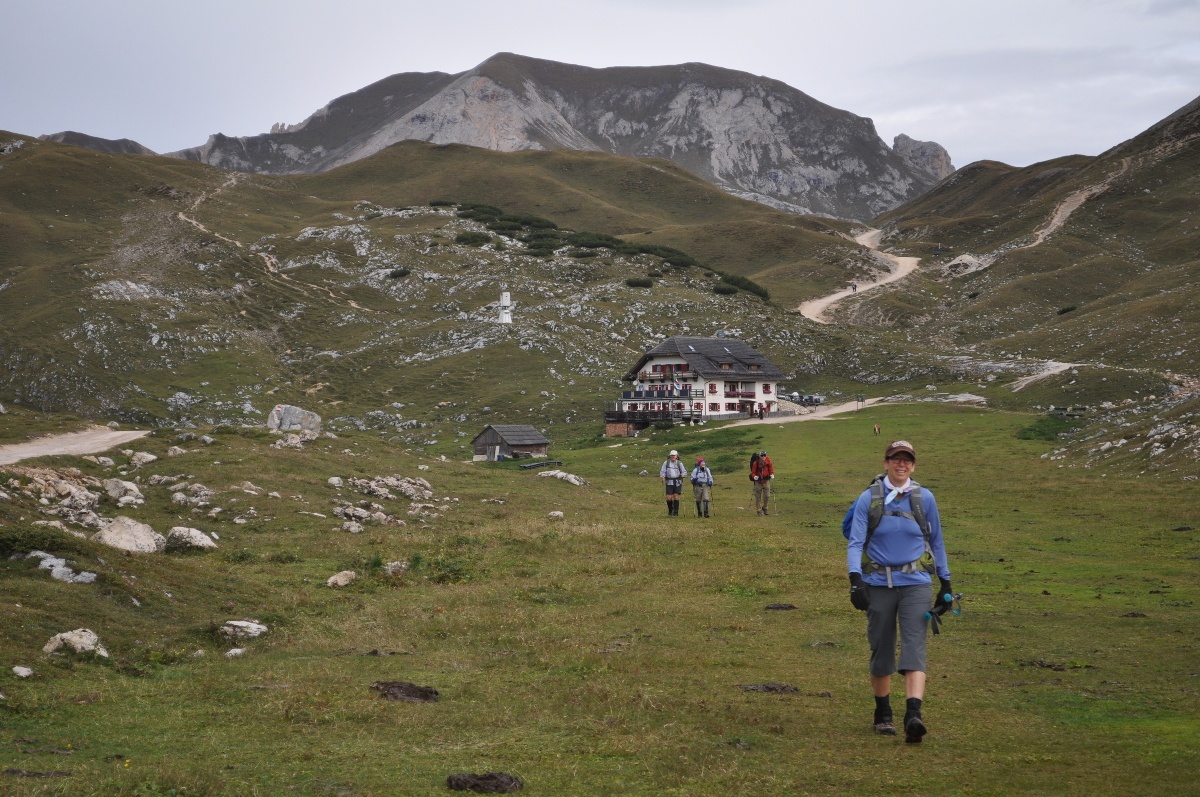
{"x": 947, "y": 602}
{"x": 774, "y": 500}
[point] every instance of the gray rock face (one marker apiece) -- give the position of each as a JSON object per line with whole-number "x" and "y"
{"x": 127, "y": 534}
{"x": 287, "y": 418}
{"x": 752, "y": 136}
{"x": 926, "y": 155}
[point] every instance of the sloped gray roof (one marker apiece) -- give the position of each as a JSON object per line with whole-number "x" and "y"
{"x": 706, "y": 355}
{"x": 516, "y": 434}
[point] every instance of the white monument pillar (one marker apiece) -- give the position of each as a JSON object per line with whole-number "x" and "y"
{"x": 505, "y": 308}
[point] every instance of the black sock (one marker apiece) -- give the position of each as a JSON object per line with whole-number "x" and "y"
{"x": 912, "y": 707}
{"x": 883, "y": 707}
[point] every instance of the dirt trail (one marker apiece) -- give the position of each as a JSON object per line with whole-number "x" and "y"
{"x": 269, "y": 260}
{"x": 822, "y": 413}
{"x": 1064, "y": 209}
{"x": 815, "y": 309}
{"x": 89, "y": 441}
{"x": 1050, "y": 368}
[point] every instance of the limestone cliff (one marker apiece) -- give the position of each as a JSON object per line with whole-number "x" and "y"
{"x": 752, "y": 136}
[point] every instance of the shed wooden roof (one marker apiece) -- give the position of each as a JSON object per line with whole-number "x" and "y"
{"x": 515, "y": 434}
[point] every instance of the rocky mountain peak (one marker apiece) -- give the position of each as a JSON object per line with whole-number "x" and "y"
{"x": 752, "y": 136}
{"x": 926, "y": 155}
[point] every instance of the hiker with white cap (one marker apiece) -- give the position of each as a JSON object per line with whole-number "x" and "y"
{"x": 671, "y": 473}
{"x": 895, "y": 548}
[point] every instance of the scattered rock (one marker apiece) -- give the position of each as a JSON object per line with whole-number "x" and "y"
{"x": 487, "y": 783}
{"x": 59, "y": 570}
{"x": 555, "y": 515}
{"x": 341, "y": 579}
{"x": 288, "y": 418}
{"x": 242, "y": 629}
{"x": 334, "y": 481}
{"x": 175, "y": 451}
{"x": 183, "y": 537}
{"x": 567, "y": 477}
{"x": 405, "y": 692}
{"x": 141, "y": 458}
{"x": 123, "y": 492}
{"x": 81, "y": 640}
{"x": 22, "y": 672}
{"x": 208, "y": 441}
{"x": 233, "y": 653}
{"x": 395, "y": 568}
{"x": 127, "y": 534}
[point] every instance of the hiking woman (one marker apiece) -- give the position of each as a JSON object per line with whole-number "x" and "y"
{"x": 891, "y": 581}
{"x": 702, "y": 482}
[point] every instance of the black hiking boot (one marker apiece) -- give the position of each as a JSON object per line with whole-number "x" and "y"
{"x": 706, "y": 508}
{"x": 699, "y": 511}
{"x": 884, "y": 725}
{"x": 914, "y": 728}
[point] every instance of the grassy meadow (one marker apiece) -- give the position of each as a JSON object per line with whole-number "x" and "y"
{"x": 606, "y": 653}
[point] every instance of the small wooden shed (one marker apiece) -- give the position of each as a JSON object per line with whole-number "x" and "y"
{"x": 509, "y": 440}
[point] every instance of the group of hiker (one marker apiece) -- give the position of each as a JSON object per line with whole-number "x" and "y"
{"x": 894, "y": 550}
{"x": 673, "y": 472}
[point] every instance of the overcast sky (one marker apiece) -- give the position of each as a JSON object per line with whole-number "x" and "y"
{"x": 1017, "y": 81}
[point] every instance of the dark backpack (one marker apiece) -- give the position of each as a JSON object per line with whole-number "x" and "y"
{"x": 876, "y": 512}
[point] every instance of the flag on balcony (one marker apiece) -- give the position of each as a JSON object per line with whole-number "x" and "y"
{"x": 678, "y": 385}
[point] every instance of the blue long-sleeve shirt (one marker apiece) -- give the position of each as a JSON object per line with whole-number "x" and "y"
{"x": 896, "y": 541}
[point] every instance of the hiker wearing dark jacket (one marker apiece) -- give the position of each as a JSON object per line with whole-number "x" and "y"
{"x": 672, "y": 474}
{"x": 762, "y": 471}
{"x": 702, "y": 482}
{"x": 891, "y": 583}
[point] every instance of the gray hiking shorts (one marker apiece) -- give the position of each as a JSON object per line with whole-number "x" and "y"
{"x": 898, "y": 606}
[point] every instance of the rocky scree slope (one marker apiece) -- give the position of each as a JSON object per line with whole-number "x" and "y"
{"x": 752, "y": 136}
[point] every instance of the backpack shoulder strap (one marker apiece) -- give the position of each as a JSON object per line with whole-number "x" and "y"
{"x": 918, "y": 510}
{"x": 875, "y": 510}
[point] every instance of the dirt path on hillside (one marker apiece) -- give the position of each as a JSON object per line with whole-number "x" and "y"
{"x": 1050, "y": 369}
{"x": 1064, "y": 209}
{"x": 269, "y": 260}
{"x": 822, "y": 413}
{"x": 815, "y": 309}
{"x": 89, "y": 441}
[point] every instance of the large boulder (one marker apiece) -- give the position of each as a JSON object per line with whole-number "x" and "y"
{"x": 81, "y": 640}
{"x": 288, "y": 418}
{"x": 183, "y": 537}
{"x": 127, "y": 534}
{"x": 123, "y": 492}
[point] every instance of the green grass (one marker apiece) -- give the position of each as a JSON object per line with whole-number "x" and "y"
{"x": 603, "y": 653}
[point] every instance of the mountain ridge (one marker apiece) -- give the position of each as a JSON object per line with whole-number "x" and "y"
{"x": 752, "y": 136}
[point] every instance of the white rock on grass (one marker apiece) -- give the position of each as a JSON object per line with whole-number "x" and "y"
{"x": 81, "y": 640}
{"x": 22, "y": 672}
{"x": 353, "y": 527}
{"x": 184, "y": 537}
{"x": 334, "y": 481}
{"x": 233, "y": 653}
{"x": 175, "y": 451}
{"x": 141, "y": 458}
{"x": 395, "y": 568}
{"x": 556, "y": 515}
{"x": 127, "y": 534}
{"x": 59, "y": 570}
{"x": 119, "y": 488}
{"x": 243, "y": 629}
{"x": 341, "y": 579}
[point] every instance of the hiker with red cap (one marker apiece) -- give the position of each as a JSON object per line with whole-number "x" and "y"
{"x": 895, "y": 549}
{"x": 702, "y": 482}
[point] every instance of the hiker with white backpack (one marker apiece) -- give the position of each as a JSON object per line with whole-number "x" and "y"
{"x": 895, "y": 548}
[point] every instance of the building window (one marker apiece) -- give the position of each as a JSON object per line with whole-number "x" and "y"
{"x": 731, "y": 406}
{"x": 697, "y": 405}
{"x": 766, "y": 389}
{"x": 712, "y": 387}
{"x": 714, "y": 407}
{"x": 726, "y": 366}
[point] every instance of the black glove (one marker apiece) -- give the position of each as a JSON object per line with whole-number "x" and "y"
{"x": 940, "y": 604}
{"x": 858, "y": 592}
